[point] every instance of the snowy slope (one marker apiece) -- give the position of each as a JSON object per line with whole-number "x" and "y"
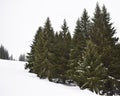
{"x": 16, "y": 81}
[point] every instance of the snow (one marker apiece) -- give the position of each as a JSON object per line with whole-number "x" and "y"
{"x": 16, "y": 81}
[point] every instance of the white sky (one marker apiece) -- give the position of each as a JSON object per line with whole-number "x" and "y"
{"x": 20, "y": 19}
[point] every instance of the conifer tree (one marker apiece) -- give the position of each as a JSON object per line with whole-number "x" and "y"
{"x": 64, "y": 49}
{"x": 81, "y": 35}
{"x": 90, "y": 58}
{"x": 45, "y": 51}
{"x": 3, "y": 53}
{"x": 48, "y": 52}
{"x": 40, "y": 59}
{"x": 22, "y": 57}
{"x": 11, "y": 57}
{"x": 102, "y": 31}
{"x": 33, "y": 56}
{"x": 102, "y": 35}
{"x": 56, "y": 50}
{"x": 91, "y": 72}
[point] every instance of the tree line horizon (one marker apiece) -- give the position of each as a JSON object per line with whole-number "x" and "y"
{"x": 4, "y": 54}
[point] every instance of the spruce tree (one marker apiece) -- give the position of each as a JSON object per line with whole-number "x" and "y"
{"x": 90, "y": 58}
{"x": 64, "y": 43}
{"x": 22, "y": 57}
{"x": 41, "y": 57}
{"x": 11, "y": 57}
{"x": 33, "y": 56}
{"x": 81, "y": 35}
{"x": 3, "y": 53}
{"x": 91, "y": 72}
{"x": 48, "y": 52}
{"x": 56, "y": 69}
{"x": 102, "y": 35}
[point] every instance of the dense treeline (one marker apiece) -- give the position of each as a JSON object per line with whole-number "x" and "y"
{"x": 3, "y": 53}
{"x": 22, "y": 57}
{"x": 89, "y": 59}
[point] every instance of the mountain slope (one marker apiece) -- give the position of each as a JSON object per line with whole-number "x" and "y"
{"x": 16, "y": 81}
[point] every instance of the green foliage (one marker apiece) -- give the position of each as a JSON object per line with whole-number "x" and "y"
{"x": 90, "y": 58}
{"x": 91, "y": 70}
{"x": 33, "y": 56}
{"x": 63, "y": 47}
{"x": 40, "y": 59}
{"x": 81, "y": 34}
{"x": 102, "y": 35}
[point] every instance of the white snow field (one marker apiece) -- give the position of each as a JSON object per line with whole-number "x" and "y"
{"x": 16, "y": 81}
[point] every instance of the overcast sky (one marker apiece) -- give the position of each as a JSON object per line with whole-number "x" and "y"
{"x": 20, "y": 19}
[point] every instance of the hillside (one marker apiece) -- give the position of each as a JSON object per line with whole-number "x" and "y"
{"x": 16, "y": 81}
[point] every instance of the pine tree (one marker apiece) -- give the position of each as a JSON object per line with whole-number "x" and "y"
{"x": 22, "y": 57}
{"x": 90, "y": 58}
{"x": 48, "y": 52}
{"x": 41, "y": 58}
{"x": 4, "y": 53}
{"x": 63, "y": 49}
{"x": 91, "y": 72}
{"x": 11, "y": 57}
{"x": 96, "y": 26}
{"x": 57, "y": 51}
{"x": 33, "y": 56}
{"x": 112, "y": 86}
{"x": 81, "y": 35}
{"x": 102, "y": 35}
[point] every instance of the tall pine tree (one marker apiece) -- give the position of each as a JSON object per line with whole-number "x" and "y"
{"x": 81, "y": 35}
{"x": 46, "y": 54}
{"x": 32, "y": 57}
{"x": 102, "y": 35}
{"x": 64, "y": 50}
{"x": 40, "y": 59}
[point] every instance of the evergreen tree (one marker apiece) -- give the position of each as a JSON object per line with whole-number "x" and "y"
{"x": 81, "y": 35}
{"x": 91, "y": 72}
{"x": 48, "y": 52}
{"x": 102, "y": 35}
{"x": 95, "y": 33}
{"x": 11, "y": 57}
{"x": 3, "y": 53}
{"x": 63, "y": 46}
{"x": 90, "y": 58}
{"x": 22, "y": 57}
{"x": 34, "y": 51}
{"x": 112, "y": 86}
{"x": 44, "y": 53}
{"x": 57, "y": 51}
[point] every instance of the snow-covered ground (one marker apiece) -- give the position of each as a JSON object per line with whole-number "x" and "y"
{"x": 16, "y": 81}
